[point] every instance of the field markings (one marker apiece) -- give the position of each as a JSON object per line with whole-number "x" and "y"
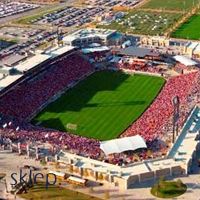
{"x": 103, "y": 105}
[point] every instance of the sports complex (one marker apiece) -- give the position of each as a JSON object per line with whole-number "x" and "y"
{"x": 117, "y": 117}
{"x": 116, "y": 104}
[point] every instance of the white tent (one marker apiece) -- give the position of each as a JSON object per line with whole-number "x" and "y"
{"x": 122, "y": 144}
{"x": 185, "y": 60}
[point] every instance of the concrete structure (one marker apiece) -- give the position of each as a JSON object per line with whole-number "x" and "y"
{"x": 28, "y": 63}
{"x": 155, "y": 41}
{"x": 85, "y": 37}
{"x": 192, "y": 49}
{"x": 177, "y": 163}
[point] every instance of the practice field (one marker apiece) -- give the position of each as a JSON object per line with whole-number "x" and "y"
{"x": 189, "y": 30}
{"x": 179, "y": 5}
{"x": 102, "y": 105}
{"x": 143, "y": 22}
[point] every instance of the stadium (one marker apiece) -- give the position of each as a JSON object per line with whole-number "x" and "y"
{"x": 113, "y": 116}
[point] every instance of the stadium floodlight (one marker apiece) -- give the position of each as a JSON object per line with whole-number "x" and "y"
{"x": 176, "y": 105}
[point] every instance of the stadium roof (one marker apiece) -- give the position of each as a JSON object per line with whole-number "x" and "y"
{"x": 12, "y": 60}
{"x": 185, "y": 60}
{"x": 6, "y": 81}
{"x": 57, "y": 51}
{"x": 96, "y": 49}
{"x": 89, "y": 32}
{"x": 32, "y": 62}
{"x": 137, "y": 52}
{"x": 122, "y": 144}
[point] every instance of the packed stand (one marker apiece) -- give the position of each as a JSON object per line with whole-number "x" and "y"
{"x": 26, "y": 98}
{"x": 137, "y": 65}
{"x": 19, "y": 131}
{"x": 151, "y": 124}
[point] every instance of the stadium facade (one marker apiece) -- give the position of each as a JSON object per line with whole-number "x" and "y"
{"x": 177, "y": 162}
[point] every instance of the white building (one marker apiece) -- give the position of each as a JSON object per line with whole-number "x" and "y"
{"x": 84, "y": 37}
{"x": 178, "y": 161}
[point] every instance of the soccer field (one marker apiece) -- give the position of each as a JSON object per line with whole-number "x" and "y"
{"x": 179, "y": 5}
{"x": 189, "y": 30}
{"x": 103, "y": 105}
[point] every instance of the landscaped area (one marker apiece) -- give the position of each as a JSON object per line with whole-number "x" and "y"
{"x": 39, "y": 192}
{"x": 168, "y": 189}
{"x": 142, "y": 22}
{"x": 179, "y": 5}
{"x": 189, "y": 30}
{"x": 103, "y": 105}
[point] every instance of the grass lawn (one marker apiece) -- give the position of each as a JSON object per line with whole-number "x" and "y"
{"x": 143, "y": 22}
{"x": 169, "y": 189}
{"x": 102, "y": 105}
{"x": 189, "y": 30}
{"x": 171, "y": 4}
{"x": 39, "y": 192}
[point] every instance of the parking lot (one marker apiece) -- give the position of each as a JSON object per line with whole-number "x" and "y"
{"x": 78, "y": 16}
{"x": 69, "y": 16}
{"x": 18, "y": 33}
{"x": 111, "y": 3}
{"x": 27, "y": 39}
{"x": 14, "y": 8}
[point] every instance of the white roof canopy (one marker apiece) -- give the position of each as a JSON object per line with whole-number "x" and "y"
{"x": 185, "y": 60}
{"x": 32, "y": 62}
{"x": 122, "y": 144}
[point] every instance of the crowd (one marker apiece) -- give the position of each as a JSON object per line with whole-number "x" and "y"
{"x": 19, "y": 131}
{"x": 180, "y": 68}
{"x": 27, "y": 97}
{"x": 152, "y": 124}
{"x": 137, "y": 65}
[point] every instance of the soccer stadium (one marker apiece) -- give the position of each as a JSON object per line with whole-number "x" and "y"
{"x": 109, "y": 116}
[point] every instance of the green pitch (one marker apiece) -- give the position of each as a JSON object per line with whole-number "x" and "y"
{"x": 102, "y": 105}
{"x": 180, "y": 5}
{"x": 189, "y": 30}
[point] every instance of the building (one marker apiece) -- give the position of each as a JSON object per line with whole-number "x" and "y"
{"x": 14, "y": 68}
{"x": 85, "y": 37}
{"x": 178, "y": 162}
{"x": 155, "y": 41}
{"x": 192, "y": 49}
{"x": 13, "y": 60}
{"x": 137, "y": 52}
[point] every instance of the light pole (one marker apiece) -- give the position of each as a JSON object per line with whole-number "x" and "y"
{"x": 176, "y": 105}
